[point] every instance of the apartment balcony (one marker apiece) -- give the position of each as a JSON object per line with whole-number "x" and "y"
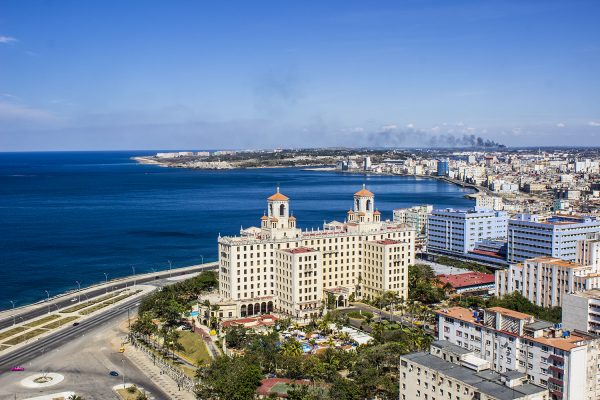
{"x": 556, "y": 369}
{"x": 556, "y": 394}
{"x": 555, "y": 358}
{"x": 556, "y": 382}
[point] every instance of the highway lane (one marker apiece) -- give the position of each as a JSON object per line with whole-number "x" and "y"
{"x": 82, "y": 355}
{"x": 71, "y": 299}
{"x": 61, "y": 337}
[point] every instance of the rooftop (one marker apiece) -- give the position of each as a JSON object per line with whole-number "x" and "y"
{"x": 556, "y": 261}
{"x": 467, "y": 279}
{"x": 487, "y": 382}
{"x": 299, "y": 250}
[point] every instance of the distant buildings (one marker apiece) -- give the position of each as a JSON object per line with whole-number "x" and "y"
{"x": 458, "y": 231}
{"x": 546, "y": 280}
{"x": 278, "y": 267}
{"x": 531, "y": 236}
{"x": 566, "y": 362}
{"x": 449, "y": 371}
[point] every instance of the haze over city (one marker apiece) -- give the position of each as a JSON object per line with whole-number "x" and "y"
{"x": 172, "y": 75}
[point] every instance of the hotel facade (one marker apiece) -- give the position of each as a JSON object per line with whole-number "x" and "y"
{"x": 278, "y": 267}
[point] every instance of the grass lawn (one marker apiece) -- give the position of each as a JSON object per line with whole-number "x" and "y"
{"x": 12, "y": 331}
{"x": 129, "y": 393}
{"x": 42, "y": 321}
{"x": 194, "y": 347}
{"x": 107, "y": 303}
{"x": 24, "y": 337}
{"x": 59, "y": 323}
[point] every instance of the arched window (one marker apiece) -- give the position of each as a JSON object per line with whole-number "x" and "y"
{"x": 368, "y": 205}
{"x": 271, "y": 210}
{"x": 357, "y": 204}
{"x": 282, "y": 210}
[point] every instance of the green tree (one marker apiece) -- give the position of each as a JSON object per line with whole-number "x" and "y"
{"x": 229, "y": 378}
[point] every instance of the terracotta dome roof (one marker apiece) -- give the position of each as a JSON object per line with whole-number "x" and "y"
{"x": 376, "y": 212}
{"x": 292, "y": 218}
{"x": 350, "y": 211}
{"x": 278, "y": 197}
{"x": 264, "y": 217}
{"x": 274, "y": 219}
{"x": 364, "y": 192}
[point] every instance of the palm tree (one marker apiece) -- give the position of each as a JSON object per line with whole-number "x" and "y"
{"x": 75, "y": 397}
{"x": 291, "y": 347}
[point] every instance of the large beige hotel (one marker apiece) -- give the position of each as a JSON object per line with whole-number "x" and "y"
{"x": 279, "y": 267}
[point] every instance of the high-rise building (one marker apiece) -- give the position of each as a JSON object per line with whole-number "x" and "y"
{"x": 443, "y": 167}
{"x": 566, "y": 362}
{"x": 531, "y": 236}
{"x": 280, "y": 267}
{"x": 581, "y": 311}
{"x": 458, "y": 231}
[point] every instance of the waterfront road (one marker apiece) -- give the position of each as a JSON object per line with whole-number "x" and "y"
{"x": 8, "y": 317}
{"x": 83, "y": 354}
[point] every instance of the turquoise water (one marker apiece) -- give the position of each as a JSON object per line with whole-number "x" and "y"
{"x": 73, "y": 216}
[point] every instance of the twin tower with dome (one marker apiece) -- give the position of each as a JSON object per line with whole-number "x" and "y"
{"x": 277, "y": 267}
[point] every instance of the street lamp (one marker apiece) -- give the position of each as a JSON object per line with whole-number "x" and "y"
{"x": 201, "y": 256}
{"x": 79, "y": 290}
{"x": 170, "y": 266}
{"x": 13, "y": 309}
{"x": 123, "y": 363}
{"x": 48, "y": 299}
{"x": 133, "y": 268}
{"x": 105, "y": 282}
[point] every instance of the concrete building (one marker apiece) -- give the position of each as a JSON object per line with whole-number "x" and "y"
{"x": 449, "y": 371}
{"x": 278, "y": 267}
{"x": 545, "y": 281}
{"x": 459, "y": 231}
{"x": 566, "y": 362}
{"x": 531, "y": 236}
{"x": 443, "y": 167}
{"x": 416, "y": 218}
{"x": 484, "y": 202}
{"x": 472, "y": 283}
{"x": 581, "y": 311}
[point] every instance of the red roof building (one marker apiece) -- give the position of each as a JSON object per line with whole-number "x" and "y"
{"x": 470, "y": 282}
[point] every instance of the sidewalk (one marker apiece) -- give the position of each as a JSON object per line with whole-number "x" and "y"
{"x": 153, "y": 372}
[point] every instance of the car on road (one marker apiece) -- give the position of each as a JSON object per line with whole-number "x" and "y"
{"x": 17, "y": 369}
{"x": 75, "y": 323}
{"x": 113, "y": 373}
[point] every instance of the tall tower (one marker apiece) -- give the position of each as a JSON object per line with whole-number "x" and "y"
{"x": 278, "y": 222}
{"x": 364, "y": 212}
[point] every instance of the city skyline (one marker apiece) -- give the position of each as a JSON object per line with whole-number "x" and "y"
{"x": 158, "y": 75}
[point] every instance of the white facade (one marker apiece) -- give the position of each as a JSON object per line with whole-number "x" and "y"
{"x": 566, "y": 362}
{"x": 545, "y": 281}
{"x": 458, "y": 231}
{"x": 531, "y": 236}
{"x": 287, "y": 269}
{"x": 448, "y": 371}
{"x": 581, "y": 310}
{"x": 416, "y": 218}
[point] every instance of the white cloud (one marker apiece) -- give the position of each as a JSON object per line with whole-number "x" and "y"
{"x": 410, "y": 126}
{"x": 7, "y": 39}
{"x": 594, "y": 123}
{"x": 389, "y": 127}
{"x": 560, "y": 125}
{"x": 14, "y": 115}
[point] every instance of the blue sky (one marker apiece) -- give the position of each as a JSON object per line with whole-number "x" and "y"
{"x": 88, "y": 75}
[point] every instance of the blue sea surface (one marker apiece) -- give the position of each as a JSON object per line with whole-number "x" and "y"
{"x": 73, "y": 216}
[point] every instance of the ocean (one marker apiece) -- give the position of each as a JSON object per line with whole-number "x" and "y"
{"x": 74, "y": 216}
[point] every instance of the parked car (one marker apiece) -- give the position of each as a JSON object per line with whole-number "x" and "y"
{"x": 17, "y": 369}
{"x": 113, "y": 373}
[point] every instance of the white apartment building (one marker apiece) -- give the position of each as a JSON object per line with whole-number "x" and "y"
{"x": 278, "y": 267}
{"x": 416, "y": 218}
{"x": 566, "y": 362}
{"x": 449, "y": 371}
{"x": 531, "y": 236}
{"x": 484, "y": 202}
{"x": 458, "y": 231}
{"x": 581, "y": 310}
{"x": 545, "y": 281}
